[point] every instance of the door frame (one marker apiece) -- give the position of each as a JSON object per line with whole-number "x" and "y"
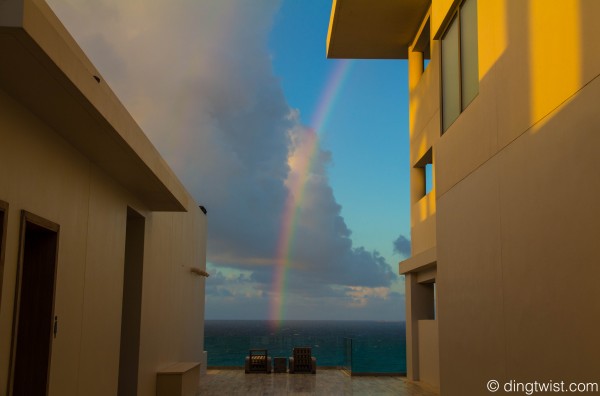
{"x": 4, "y": 215}
{"x": 28, "y": 217}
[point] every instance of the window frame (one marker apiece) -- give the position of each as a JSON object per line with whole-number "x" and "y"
{"x": 421, "y": 164}
{"x": 3, "y": 228}
{"x": 455, "y": 17}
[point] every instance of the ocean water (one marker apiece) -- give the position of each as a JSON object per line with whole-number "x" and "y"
{"x": 375, "y": 347}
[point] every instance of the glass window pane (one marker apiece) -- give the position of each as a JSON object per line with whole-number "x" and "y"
{"x": 469, "y": 63}
{"x": 450, "y": 76}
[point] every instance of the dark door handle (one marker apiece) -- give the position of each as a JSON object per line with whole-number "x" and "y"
{"x": 55, "y": 326}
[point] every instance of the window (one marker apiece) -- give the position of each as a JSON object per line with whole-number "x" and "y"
{"x": 425, "y": 174}
{"x": 460, "y": 68}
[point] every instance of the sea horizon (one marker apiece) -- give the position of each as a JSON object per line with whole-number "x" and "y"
{"x": 306, "y": 320}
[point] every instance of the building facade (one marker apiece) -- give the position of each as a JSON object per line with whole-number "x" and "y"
{"x": 102, "y": 251}
{"x": 505, "y": 175}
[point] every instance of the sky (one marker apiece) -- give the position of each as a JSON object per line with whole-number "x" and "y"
{"x": 301, "y": 161}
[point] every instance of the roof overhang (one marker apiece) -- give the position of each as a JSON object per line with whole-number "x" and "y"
{"x": 367, "y": 29}
{"x": 42, "y": 67}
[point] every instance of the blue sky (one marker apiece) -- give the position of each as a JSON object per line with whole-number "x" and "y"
{"x": 226, "y": 90}
{"x": 367, "y": 132}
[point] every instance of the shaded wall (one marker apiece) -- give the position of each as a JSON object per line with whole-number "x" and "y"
{"x": 41, "y": 173}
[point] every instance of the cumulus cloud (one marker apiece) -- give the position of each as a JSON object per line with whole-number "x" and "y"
{"x": 197, "y": 77}
{"x": 402, "y": 246}
{"x": 360, "y": 294}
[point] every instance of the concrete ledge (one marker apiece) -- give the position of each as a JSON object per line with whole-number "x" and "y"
{"x": 419, "y": 262}
{"x": 179, "y": 379}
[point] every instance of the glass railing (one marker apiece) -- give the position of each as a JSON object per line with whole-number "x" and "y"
{"x": 347, "y": 365}
{"x": 381, "y": 354}
{"x": 231, "y": 351}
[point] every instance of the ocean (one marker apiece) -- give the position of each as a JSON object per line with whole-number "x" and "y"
{"x": 360, "y": 346}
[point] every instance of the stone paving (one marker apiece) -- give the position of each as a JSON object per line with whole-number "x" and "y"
{"x": 325, "y": 382}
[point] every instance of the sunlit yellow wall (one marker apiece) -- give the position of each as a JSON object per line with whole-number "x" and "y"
{"x": 424, "y": 116}
{"x": 530, "y": 61}
{"x": 41, "y": 173}
{"x": 424, "y": 219}
{"x": 424, "y": 121}
{"x": 517, "y": 213}
{"x": 440, "y": 10}
{"x": 554, "y": 55}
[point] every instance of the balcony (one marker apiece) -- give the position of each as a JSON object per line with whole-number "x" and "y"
{"x": 325, "y": 382}
{"x": 381, "y": 354}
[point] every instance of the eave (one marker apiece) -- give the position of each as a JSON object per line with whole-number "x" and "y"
{"x": 367, "y": 29}
{"x": 42, "y": 67}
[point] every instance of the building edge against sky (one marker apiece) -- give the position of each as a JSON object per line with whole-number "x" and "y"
{"x": 86, "y": 202}
{"x": 501, "y": 284}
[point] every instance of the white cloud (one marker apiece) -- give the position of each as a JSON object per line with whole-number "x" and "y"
{"x": 360, "y": 295}
{"x": 197, "y": 77}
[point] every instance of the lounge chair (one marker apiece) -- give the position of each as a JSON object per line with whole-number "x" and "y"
{"x": 258, "y": 361}
{"x": 303, "y": 361}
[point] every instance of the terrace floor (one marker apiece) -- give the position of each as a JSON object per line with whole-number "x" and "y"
{"x": 325, "y": 382}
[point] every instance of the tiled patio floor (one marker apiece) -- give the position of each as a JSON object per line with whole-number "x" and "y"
{"x": 325, "y": 382}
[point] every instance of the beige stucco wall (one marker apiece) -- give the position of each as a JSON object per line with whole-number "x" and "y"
{"x": 521, "y": 301}
{"x": 424, "y": 120}
{"x": 172, "y": 326}
{"x": 517, "y": 209}
{"x": 40, "y": 172}
{"x": 429, "y": 366}
{"x": 514, "y": 218}
{"x": 56, "y": 187}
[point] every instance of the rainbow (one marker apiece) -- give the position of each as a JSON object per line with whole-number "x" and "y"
{"x": 297, "y": 186}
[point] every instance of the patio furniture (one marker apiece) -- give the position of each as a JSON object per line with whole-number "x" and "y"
{"x": 302, "y": 361}
{"x": 280, "y": 365}
{"x": 258, "y": 361}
